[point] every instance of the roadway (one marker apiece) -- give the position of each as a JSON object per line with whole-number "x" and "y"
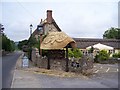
{"x": 8, "y": 66}
{"x": 106, "y": 74}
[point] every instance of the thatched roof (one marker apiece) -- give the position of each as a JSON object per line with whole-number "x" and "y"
{"x": 57, "y": 40}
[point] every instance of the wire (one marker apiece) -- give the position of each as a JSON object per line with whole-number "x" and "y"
{"x": 26, "y": 10}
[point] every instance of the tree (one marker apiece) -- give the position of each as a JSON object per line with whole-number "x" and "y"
{"x": 112, "y": 33}
{"x": 22, "y": 43}
{"x": 12, "y": 43}
{"x": 7, "y": 44}
{"x": 33, "y": 42}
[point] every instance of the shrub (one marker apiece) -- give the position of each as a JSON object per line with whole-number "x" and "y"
{"x": 96, "y": 58}
{"x": 70, "y": 53}
{"x": 116, "y": 55}
{"x": 91, "y": 49}
{"x": 103, "y": 55}
{"x": 74, "y": 53}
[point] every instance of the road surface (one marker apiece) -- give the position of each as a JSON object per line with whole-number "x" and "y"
{"x": 8, "y": 66}
{"x": 104, "y": 76}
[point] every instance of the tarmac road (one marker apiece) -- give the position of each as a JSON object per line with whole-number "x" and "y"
{"x": 8, "y": 66}
{"x": 106, "y": 74}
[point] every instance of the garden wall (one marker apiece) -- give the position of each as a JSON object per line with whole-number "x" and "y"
{"x": 83, "y": 65}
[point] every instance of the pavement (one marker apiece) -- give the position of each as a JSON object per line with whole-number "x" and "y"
{"x": 34, "y": 77}
{"x": 23, "y": 78}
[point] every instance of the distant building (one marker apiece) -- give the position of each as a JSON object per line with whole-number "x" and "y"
{"x": 82, "y": 43}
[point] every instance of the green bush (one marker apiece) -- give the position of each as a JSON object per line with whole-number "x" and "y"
{"x": 70, "y": 53}
{"x": 74, "y": 53}
{"x": 103, "y": 55}
{"x": 96, "y": 58}
{"x": 91, "y": 49}
{"x": 116, "y": 55}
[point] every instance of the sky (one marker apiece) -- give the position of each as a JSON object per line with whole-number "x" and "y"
{"x": 77, "y": 18}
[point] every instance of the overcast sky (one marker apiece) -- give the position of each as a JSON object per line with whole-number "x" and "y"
{"x": 77, "y": 18}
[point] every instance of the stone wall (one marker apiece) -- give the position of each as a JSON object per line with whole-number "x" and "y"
{"x": 50, "y": 28}
{"x": 75, "y": 65}
{"x": 57, "y": 64}
{"x": 35, "y": 56}
{"x": 42, "y": 62}
{"x": 83, "y": 65}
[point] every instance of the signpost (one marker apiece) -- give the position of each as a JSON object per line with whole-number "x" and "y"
{"x": 25, "y": 62}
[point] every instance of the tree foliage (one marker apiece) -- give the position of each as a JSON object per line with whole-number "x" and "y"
{"x": 7, "y": 44}
{"x": 112, "y": 33}
{"x": 32, "y": 42}
{"x": 22, "y": 43}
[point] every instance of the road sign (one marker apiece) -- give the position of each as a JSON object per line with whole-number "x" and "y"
{"x": 25, "y": 61}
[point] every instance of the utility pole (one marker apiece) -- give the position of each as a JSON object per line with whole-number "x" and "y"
{"x": 40, "y": 32}
{"x": 30, "y": 41}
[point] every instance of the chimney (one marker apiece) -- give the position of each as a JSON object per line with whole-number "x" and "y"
{"x": 49, "y": 16}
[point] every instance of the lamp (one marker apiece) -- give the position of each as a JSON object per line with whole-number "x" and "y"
{"x": 40, "y": 29}
{"x": 31, "y": 28}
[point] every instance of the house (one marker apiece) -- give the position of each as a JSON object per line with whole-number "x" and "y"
{"x": 83, "y": 43}
{"x": 49, "y": 25}
{"x": 98, "y": 47}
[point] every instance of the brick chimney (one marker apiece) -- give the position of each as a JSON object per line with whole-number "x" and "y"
{"x": 49, "y": 16}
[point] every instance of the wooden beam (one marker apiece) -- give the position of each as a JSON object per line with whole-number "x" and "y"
{"x": 67, "y": 60}
{"x": 48, "y": 64}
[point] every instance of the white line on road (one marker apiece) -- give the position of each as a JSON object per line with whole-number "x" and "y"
{"x": 96, "y": 71}
{"x": 101, "y": 67}
{"x": 107, "y": 69}
{"x": 117, "y": 70}
{"x": 94, "y": 66}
